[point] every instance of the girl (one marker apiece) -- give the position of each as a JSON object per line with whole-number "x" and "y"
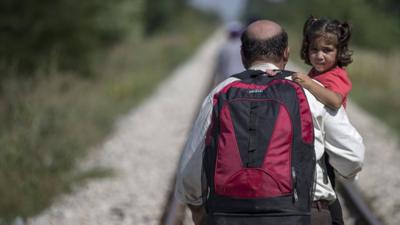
{"x": 325, "y": 48}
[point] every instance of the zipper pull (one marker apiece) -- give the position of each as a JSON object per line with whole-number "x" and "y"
{"x": 295, "y": 196}
{"x": 294, "y": 176}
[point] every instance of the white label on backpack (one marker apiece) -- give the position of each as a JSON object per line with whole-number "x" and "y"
{"x": 255, "y": 91}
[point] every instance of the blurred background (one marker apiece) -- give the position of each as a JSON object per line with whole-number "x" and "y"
{"x": 69, "y": 67}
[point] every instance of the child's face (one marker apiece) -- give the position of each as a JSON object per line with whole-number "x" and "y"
{"x": 322, "y": 54}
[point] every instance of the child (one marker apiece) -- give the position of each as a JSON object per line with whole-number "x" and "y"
{"x": 325, "y": 48}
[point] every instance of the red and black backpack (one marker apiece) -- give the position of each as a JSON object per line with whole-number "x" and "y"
{"x": 259, "y": 159}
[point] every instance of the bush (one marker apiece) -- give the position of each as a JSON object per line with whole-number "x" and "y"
{"x": 50, "y": 121}
{"x": 60, "y": 33}
{"x": 372, "y": 27}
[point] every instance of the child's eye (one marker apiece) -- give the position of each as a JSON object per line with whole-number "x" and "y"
{"x": 327, "y": 50}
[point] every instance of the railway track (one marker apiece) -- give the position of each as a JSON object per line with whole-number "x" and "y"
{"x": 359, "y": 212}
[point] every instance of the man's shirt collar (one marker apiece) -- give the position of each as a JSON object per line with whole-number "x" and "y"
{"x": 264, "y": 67}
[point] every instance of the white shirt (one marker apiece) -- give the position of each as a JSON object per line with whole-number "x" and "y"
{"x": 332, "y": 130}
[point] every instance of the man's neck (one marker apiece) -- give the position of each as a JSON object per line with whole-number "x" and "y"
{"x": 259, "y": 65}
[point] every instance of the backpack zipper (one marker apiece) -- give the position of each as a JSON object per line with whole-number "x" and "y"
{"x": 295, "y": 196}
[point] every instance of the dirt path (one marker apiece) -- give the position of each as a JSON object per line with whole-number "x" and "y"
{"x": 145, "y": 148}
{"x": 143, "y": 152}
{"x": 379, "y": 181}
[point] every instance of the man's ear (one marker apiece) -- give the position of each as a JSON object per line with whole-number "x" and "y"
{"x": 243, "y": 59}
{"x": 286, "y": 54}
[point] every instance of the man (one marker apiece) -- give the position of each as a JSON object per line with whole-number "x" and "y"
{"x": 229, "y": 60}
{"x": 264, "y": 47}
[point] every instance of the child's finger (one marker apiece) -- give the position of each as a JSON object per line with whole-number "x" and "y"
{"x": 295, "y": 77}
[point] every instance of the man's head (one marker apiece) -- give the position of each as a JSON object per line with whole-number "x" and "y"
{"x": 264, "y": 41}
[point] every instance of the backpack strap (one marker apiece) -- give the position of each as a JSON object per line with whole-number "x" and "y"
{"x": 282, "y": 74}
{"x": 248, "y": 74}
{"x": 324, "y": 163}
{"x": 330, "y": 170}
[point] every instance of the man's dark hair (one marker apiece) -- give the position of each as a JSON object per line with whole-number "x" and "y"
{"x": 272, "y": 48}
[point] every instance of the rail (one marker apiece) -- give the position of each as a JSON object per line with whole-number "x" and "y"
{"x": 360, "y": 212}
{"x": 357, "y": 206}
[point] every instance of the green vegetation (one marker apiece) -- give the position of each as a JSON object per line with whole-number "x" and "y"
{"x": 376, "y": 84}
{"x": 373, "y": 25}
{"x": 61, "y": 33}
{"x": 376, "y": 29}
{"x": 52, "y": 112}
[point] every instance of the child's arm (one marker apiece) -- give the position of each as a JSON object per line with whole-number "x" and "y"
{"x": 327, "y": 97}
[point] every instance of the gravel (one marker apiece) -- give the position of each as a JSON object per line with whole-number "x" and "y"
{"x": 143, "y": 152}
{"x": 378, "y": 181}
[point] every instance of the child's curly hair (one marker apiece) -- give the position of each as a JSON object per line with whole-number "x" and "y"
{"x": 333, "y": 30}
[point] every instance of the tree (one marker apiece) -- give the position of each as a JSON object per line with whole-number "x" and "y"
{"x": 157, "y": 14}
{"x": 65, "y": 33}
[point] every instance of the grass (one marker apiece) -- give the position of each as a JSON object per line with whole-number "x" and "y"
{"x": 376, "y": 85}
{"x": 48, "y": 123}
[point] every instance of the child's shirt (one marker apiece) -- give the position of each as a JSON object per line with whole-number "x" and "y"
{"x": 335, "y": 80}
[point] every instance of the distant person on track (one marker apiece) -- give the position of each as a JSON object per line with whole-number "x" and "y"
{"x": 325, "y": 48}
{"x": 265, "y": 47}
{"x": 229, "y": 61}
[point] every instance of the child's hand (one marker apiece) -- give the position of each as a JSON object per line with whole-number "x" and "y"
{"x": 304, "y": 80}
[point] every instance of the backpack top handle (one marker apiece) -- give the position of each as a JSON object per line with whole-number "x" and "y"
{"x": 282, "y": 74}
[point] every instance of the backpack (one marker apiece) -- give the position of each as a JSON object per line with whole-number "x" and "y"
{"x": 259, "y": 158}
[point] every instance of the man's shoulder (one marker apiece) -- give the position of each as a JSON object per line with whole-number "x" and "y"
{"x": 316, "y": 107}
{"x": 222, "y": 85}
